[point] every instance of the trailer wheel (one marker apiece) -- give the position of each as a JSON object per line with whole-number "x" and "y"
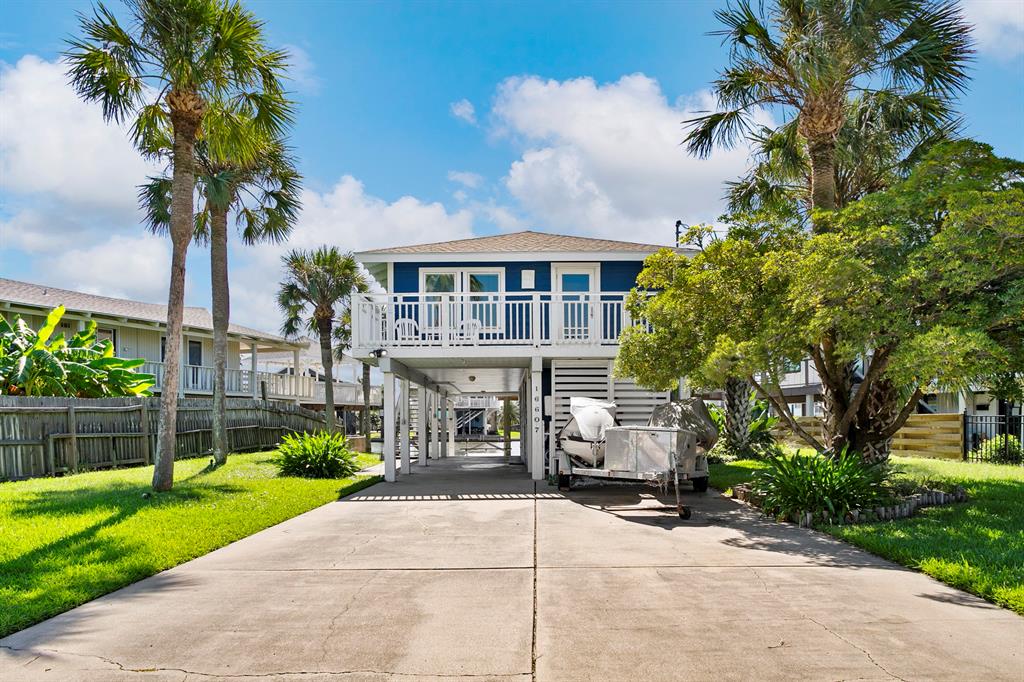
{"x": 684, "y": 513}
{"x": 564, "y": 482}
{"x": 700, "y": 485}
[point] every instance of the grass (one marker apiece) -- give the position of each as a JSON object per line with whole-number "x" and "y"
{"x": 71, "y": 539}
{"x": 977, "y": 546}
{"x": 514, "y": 435}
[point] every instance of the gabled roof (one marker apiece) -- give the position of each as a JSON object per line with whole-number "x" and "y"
{"x": 38, "y": 295}
{"x": 527, "y": 241}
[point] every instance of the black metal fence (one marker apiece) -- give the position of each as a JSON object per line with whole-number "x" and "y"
{"x": 995, "y": 438}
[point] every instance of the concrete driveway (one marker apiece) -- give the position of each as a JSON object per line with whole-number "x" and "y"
{"x": 466, "y": 570}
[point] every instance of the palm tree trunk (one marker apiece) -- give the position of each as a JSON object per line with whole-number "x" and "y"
{"x": 221, "y": 316}
{"x": 737, "y": 414}
{"x": 823, "y": 174}
{"x": 365, "y": 417}
{"x": 327, "y": 358}
{"x": 183, "y": 182}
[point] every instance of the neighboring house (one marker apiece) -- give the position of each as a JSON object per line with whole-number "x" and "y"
{"x": 348, "y": 377}
{"x": 529, "y": 315}
{"x": 138, "y": 331}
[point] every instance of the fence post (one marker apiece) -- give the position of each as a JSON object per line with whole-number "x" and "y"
{"x": 73, "y": 441}
{"x": 963, "y": 434}
{"x": 144, "y": 430}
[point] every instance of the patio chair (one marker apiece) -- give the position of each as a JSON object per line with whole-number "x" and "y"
{"x": 407, "y": 329}
{"x": 469, "y": 330}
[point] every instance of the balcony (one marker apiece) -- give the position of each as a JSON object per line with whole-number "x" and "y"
{"x": 198, "y": 379}
{"x": 481, "y": 320}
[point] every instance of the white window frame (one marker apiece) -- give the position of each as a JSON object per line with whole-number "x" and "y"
{"x": 593, "y": 298}
{"x": 461, "y": 286}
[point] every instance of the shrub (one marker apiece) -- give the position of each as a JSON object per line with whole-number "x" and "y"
{"x": 824, "y": 486}
{"x": 316, "y": 455}
{"x": 761, "y": 441}
{"x": 1000, "y": 449}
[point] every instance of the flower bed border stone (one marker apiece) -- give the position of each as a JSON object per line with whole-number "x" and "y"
{"x": 901, "y": 510}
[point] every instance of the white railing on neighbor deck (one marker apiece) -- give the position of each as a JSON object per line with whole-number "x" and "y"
{"x": 481, "y": 319}
{"x": 199, "y": 379}
{"x": 477, "y": 402}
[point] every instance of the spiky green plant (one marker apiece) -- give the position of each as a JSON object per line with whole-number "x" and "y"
{"x": 316, "y": 455}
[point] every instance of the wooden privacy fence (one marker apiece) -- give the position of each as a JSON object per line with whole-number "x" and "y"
{"x": 924, "y": 435}
{"x": 47, "y": 436}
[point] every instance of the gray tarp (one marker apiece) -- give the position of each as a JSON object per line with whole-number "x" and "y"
{"x": 690, "y": 414}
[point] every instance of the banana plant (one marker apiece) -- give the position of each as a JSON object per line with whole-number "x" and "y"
{"x": 39, "y": 363}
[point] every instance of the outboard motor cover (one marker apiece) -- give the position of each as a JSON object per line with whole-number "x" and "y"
{"x": 582, "y": 437}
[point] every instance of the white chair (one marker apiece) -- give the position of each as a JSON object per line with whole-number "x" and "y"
{"x": 469, "y": 330}
{"x": 407, "y": 329}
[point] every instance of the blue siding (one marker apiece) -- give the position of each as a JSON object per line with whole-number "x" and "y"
{"x": 619, "y": 275}
{"x": 615, "y": 275}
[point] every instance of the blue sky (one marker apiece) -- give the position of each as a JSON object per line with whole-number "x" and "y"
{"x": 417, "y": 122}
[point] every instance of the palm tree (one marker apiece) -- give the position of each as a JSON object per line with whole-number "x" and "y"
{"x": 263, "y": 194}
{"x": 161, "y": 73}
{"x": 808, "y": 58}
{"x": 316, "y": 283}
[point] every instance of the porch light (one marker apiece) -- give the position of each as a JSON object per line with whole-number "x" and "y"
{"x": 379, "y": 352}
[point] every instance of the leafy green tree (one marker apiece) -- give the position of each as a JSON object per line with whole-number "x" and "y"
{"x": 161, "y": 72}
{"x": 317, "y": 286}
{"x": 263, "y": 195}
{"x": 35, "y": 363}
{"x": 921, "y": 284}
{"x": 808, "y": 59}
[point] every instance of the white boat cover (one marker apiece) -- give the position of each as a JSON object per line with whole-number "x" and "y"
{"x": 592, "y": 417}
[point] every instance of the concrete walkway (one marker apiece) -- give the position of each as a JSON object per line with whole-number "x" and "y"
{"x": 465, "y": 569}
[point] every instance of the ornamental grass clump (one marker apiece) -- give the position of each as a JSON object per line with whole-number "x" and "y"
{"x": 827, "y": 487}
{"x": 316, "y": 455}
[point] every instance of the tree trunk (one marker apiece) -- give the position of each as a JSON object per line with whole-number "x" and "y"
{"x": 737, "y": 415}
{"x": 221, "y": 316}
{"x": 880, "y": 409}
{"x": 365, "y": 417}
{"x": 183, "y": 182}
{"x": 823, "y": 174}
{"x": 327, "y": 358}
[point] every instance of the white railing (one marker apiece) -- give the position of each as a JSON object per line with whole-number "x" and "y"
{"x": 199, "y": 379}
{"x": 347, "y": 393}
{"x": 486, "y": 402}
{"x": 481, "y": 319}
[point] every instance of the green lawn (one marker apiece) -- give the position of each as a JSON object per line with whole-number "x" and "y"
{"x": 68, "y": 540}
{"x": 977, "y": 546}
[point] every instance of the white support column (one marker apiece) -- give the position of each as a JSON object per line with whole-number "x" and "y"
{"x": 809, "y": 405}
{"x": 253, "y": 383}
{"x": 388, "y": 428}
{"x": 296, "y": 374}
{"x": 451, "y": 428}
{"x": 443, "y": 404}
{"x": 536, "y": 420}
{"x": 403, "y": 425}
{"x": 182, "y": 365}
{"x": 435, "y": 425}
{"x": 422, "y": 414}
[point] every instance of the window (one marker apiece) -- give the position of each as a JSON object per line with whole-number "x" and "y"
{"x": 195, "y": 353}
{"x": 482, "y": 288}
{"x": 791, "y": 367}
{"x": 163, "y": 348}
{"x": 107, "y": 334}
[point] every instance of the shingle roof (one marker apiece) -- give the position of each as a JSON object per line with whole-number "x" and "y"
{"x": 523, "y": 242}
{"x": 27, "y": 293}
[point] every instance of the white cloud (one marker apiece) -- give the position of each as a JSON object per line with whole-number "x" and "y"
{"x": 464, "y": 109}
{"x": 998, "y": 26}
{"x": 466, "y": 178}
{"x": 302, "y": 70}
{"x": 344, "y": 216}
{"x": 136, "y": 267}
{"x": 606, "y": 160}
{"x": 53, "y": 142}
